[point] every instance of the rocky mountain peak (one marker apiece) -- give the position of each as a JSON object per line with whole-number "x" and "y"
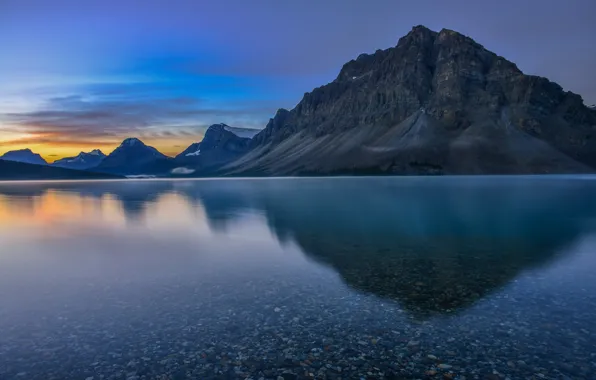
{"x": 217, "y": 129}
{"x": 216, "y": 135}
{"x": 131, "y": 141}
{"x": 450, "y": 90}
{"x": 96, "y": 152}
{"x": 281, "y": 112}
{"x": 131, "y": 157}
{"x": 418, "y": 34}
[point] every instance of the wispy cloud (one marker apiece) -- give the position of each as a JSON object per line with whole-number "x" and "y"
{"x": 105, "y": 114}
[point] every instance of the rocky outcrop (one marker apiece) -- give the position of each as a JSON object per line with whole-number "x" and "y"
{"x": 436, "y": 103}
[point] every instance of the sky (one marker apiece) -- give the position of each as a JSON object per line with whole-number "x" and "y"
{"x": 78, "y": 75}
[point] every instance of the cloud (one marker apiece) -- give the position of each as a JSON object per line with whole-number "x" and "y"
{"x": 55, "y": 138}
{"x": 108, "y": 113}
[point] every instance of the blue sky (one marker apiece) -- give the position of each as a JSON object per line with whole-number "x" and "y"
{"x": 77, "y": 75}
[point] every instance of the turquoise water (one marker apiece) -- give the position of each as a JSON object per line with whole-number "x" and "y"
{"x": 336, "y": 278}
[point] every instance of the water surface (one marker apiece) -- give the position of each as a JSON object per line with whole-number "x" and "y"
{"x": 456, "y": 277}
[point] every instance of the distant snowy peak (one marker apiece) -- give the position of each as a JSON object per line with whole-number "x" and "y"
{"x": 131, "y": 141}
{"x": 82, "y": 161}
{"x": 24, "y": 155}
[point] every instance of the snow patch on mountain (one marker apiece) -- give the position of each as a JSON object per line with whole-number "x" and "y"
{"x": 182, "y": 170}
{"x": 141, "y": 176}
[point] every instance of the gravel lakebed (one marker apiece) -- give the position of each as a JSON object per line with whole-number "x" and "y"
{"x": 280, "y": 327}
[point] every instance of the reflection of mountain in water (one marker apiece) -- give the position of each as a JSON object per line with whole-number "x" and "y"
{"x": 432, "y": 244}
{"x": 133, "y": 195}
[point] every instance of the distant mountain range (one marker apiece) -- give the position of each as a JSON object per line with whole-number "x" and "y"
{"x": 437, "y": 103}
{"x": 220, "y": 145}
{"x": 13, "y": 170}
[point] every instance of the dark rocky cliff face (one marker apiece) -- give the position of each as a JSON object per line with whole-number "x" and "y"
{"x": 435, "y": 103}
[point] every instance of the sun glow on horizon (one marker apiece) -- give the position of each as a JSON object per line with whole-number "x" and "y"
{"x": 52, "y": 151}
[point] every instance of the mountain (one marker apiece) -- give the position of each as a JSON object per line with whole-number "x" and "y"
{"x": 437, "y": 103}
{"x": 24, "y": 155}
{"x": 220, "y": 145}
{"x": 82, "y": 161}
{"x": 17, "y": 171}
{"x": 132, "y": 157}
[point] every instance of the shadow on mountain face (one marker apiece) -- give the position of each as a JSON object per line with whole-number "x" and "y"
{"x": 435, "y": 245}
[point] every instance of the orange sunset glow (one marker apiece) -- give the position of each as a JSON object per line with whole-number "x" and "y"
{"x": 54, "y": 207}
{"x": 52, "y": 151}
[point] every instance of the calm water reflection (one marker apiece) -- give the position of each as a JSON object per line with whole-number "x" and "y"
{"x": 299, "y": 278}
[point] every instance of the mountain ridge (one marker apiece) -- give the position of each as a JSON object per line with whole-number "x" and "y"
{"x": 17, "y": 171}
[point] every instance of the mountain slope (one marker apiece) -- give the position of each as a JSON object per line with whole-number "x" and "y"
{"x": 11, "y": 170}
{"x": 82, "y": 161}
{"x": 436, "y": 103}
{"x": 132, "y": 157}
{"x": 24, "y": 155}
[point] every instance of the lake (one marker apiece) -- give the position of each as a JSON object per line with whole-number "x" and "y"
{"x": 328, "y": 278}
